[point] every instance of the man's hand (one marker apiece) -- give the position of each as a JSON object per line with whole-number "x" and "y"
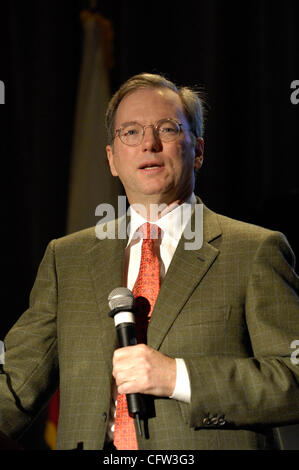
{"x": 141, "y": 369}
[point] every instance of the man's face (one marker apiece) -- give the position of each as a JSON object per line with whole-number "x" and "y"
{"x": 155, "y": 172}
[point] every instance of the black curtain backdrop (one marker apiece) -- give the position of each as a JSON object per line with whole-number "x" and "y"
{"x": 244, "y": 54}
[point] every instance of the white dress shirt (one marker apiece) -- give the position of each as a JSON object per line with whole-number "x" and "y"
{"x": 172, "y": 223}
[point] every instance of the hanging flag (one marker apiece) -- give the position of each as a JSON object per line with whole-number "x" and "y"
{"x": 52, "y": 421}
{"x": 90, "y": 180}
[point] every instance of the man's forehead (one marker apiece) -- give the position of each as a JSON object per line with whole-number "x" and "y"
{"x": 145, "y": 102}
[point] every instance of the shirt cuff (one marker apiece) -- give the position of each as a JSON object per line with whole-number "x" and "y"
{"x": 182, "y": 390}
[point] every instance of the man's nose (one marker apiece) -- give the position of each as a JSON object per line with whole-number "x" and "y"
{"x": 151, "y": 140}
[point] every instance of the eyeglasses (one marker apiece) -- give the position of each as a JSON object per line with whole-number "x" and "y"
{"x": 132, "y": 133}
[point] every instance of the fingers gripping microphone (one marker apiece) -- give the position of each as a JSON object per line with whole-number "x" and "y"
{"x": 121, "y": 301}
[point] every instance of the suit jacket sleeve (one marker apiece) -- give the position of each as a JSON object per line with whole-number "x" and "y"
{"x": 30, "y": 374}
{"x": 262, "y": 389}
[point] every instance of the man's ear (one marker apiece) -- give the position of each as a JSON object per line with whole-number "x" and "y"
{"x": 110, "y": 156}
{"x": 198, "y": 159}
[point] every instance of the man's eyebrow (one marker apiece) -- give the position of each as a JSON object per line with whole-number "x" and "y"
{"x": 128, "y": 123}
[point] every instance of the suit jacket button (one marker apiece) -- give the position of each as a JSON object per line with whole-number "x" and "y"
{"x": 214, "y": 420}
{"x": 104, "y": 416}
{"x": 206, "y": 421}
{"x": 221, "y": 421}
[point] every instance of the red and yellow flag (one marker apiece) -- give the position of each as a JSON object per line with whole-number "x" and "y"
{"x": 52, "y": 421}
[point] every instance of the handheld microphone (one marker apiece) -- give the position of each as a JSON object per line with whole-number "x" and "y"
{"x": 121, "y": 302}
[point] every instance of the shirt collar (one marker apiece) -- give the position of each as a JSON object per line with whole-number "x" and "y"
{"x": 172, "y": 221}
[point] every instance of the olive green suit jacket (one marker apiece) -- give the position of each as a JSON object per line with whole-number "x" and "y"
{"x": 230, "y": 309}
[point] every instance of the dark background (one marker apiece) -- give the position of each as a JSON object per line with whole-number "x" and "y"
{"x": 245, "y": 55}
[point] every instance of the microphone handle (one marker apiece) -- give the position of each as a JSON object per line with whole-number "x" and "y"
{"x": 126, "y": 335}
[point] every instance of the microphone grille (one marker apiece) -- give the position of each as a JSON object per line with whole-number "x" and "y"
{"x": 121, "y": 297}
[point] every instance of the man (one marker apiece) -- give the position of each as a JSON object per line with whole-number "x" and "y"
{"x": 215, "y": 362}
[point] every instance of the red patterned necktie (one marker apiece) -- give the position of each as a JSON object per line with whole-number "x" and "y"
{"x": 145, "y": 291}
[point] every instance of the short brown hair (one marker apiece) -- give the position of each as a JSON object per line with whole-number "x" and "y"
{"x": 192, "y": 102}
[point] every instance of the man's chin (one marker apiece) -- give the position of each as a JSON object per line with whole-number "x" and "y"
{"x": 157, "y": 194}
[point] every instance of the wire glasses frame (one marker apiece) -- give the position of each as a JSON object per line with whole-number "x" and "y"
{"x": 132, "y": 133}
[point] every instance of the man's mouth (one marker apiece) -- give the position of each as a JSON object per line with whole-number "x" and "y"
{"x": 150, "y": 166}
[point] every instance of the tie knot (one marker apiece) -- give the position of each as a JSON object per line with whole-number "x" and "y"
{"x": 149, "y": 231}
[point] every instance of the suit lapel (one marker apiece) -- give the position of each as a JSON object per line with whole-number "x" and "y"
{"x": 105, "y": 261}
{"x": 189, "y": 267}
